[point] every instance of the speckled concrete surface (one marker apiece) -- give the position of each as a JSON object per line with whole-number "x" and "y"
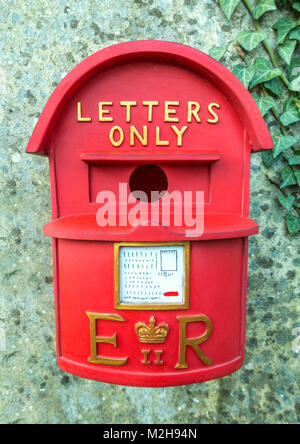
{"x": 41, "y": 40}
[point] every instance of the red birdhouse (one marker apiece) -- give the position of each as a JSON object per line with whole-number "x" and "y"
{"x": 142, "y": 296}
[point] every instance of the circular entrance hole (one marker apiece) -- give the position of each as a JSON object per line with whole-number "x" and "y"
{"x": 148, "y": 178}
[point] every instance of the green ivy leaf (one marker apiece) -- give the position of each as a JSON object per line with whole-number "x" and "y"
{"x": 292, "y": 69}
{"x": 228, "y": 7}
{"x": 288, "y": 177}
{"x": 250, "y": 39}
{"x": 264, "y": 103}
{"x": 287, "y": 50}
{"x": 288, "y": 103}
{"x": 262, "y": 7}
{"x": 295, "y": 84}
{"x": 268, "y": 158}
{"x": 262, "y": 64}
{"x": 295, "y": 34}
{"x": 282, "y": 144}
{"x": 295, "y": 62}
{"x": 275, "y": 132}
{"x": 264, "y": 71}
{"x": 297, "y": 174}
{"x": 293, "y": 223}
{"x": 289, "y": 117}
{"x": 291, "y": 114}
{"x": 275, "y": 86}
{"x": 217, "y": 52}
{"x": 294, "y": 160}
{"x": 286, "y": 202}
{"x": 283, "y": 27}
{"x": 264, "y": 76}
{"x": 244, "y": 74}
{"x": 296, "y": 6}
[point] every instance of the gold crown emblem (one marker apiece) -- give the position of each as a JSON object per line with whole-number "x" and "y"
{"x": 151, "y": 334}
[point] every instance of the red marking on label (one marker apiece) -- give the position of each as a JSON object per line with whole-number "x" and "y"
{"x": 171, "y": 293}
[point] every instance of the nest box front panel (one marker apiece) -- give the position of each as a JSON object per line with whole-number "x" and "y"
{"x": 126, "y": 110}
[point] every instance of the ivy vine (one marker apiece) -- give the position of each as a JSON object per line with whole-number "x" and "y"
{"x": 274, "y": 81}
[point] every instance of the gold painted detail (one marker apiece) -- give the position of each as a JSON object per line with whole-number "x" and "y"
{"x": 80, "y": 117}
{"x": 147, "y": 108}
{"x": 95, "y": 358}
{"x": 213, "y": 113}
{"x": 193, "y": 342}
{"x": 158, "y": 354}
{"x": 150, "y": 334}
{"x": 145, "y": 361}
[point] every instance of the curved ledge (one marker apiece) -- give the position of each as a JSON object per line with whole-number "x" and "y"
{"x": 84, "y": 227}
{"x": 160, "y": 379}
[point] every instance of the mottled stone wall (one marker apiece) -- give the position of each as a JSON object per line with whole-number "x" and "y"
{"x": 40, "y": 41}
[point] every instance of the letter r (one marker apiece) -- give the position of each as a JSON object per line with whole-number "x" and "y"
{"x": 193, "y": 342}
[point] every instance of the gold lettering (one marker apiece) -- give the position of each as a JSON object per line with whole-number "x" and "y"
{"x": 193, "y": 109}
{"x": 128, "y": 105}
{"x": 79, "y": 114}
{"x": 157, "y": 139}
{"x": 158, "y": 354}
{"x": 150, "y": 104}
{"x": 104, "y": 111}
{"x": 146, "y": 360}
{"x": 134, "y": 132}
{"x": 212, "y": 112}
{"x": 111, "y": 136}
{"x": 179, "y": 133}
{"x": 170, "y": 111}
{"x": 96, "y": 359}
{"x": 193, "y": 342}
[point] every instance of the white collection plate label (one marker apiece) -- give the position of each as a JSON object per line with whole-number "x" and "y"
{"x": 152, "y": 275}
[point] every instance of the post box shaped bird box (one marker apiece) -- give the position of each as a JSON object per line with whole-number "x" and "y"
{"x": 149, "y": 304}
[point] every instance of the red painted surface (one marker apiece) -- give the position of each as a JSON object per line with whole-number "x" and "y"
{"x": 84, "y": 227}
{"x": 214, "y": 158}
